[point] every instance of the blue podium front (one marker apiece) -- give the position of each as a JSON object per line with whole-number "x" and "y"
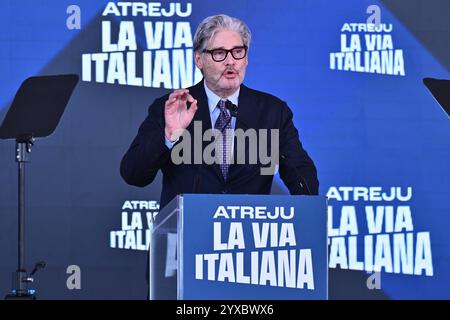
{"x": 207, "y": 246}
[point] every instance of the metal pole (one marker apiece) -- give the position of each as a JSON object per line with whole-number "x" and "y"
{"x": 21, "y": 264}
{"x": 23, "y": 149}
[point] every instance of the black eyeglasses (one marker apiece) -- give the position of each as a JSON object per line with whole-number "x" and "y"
{"x": 219, "y": 55}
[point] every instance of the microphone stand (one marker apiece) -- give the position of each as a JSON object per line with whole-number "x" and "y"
{"x": 35, "y": 112}
{"x": 20, "y": 278}
{"x": 303, "y": 186}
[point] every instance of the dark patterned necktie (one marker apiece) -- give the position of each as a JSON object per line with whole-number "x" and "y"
{"x": 224, "y": 145}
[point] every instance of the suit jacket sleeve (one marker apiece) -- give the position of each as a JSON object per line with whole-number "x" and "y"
{"x": 297, "y": 169}
{"x": 148, "y": 152}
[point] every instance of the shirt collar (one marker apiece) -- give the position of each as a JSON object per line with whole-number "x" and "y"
{"x": 213, "y": 99}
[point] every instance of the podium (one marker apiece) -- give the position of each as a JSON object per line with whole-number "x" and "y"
{"x": 236, "y": 247}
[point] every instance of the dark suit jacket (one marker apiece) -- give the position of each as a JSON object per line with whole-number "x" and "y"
{"x": 148, "y": 152}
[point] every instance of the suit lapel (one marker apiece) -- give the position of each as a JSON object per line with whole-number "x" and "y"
{"x": 248, "y": 114}
{"x": 247, "y": 118}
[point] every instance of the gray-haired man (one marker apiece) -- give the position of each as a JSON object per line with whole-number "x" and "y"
{"x": 221, "y": 45}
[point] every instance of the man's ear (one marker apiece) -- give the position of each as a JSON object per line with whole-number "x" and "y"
{"x": 198, "y": 60}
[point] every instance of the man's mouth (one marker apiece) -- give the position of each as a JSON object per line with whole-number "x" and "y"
{"x": 229, "y": 74}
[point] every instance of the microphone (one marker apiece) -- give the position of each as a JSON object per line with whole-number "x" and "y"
{"x": 232, "y": 107}
{"x": 234, "y": 112}
{"x": 39, "y": 265}
{"x": 301, "y": 183}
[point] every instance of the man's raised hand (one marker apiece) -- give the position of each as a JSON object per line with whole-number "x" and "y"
{"x": 176, "y": 113}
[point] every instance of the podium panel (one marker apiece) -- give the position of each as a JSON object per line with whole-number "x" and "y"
{"x": 207, "y": 246}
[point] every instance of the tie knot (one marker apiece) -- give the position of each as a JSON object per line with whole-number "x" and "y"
{"x": 222, "y": 105}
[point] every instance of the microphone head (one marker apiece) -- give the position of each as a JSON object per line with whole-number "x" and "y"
{"x": 232, "y": 107}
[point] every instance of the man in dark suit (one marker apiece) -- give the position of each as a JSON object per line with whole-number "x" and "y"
{"x": 222, "y": 102}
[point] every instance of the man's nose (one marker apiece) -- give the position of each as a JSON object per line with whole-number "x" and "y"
{"x": 229, "y": 60}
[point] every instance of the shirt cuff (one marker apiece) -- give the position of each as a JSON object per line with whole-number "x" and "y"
{"x": 168, "y": 143}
